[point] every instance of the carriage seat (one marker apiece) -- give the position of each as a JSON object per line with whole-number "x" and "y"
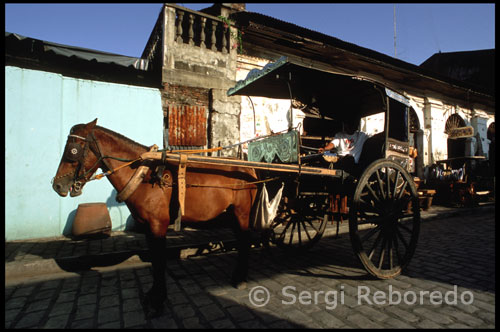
{"x": 373, "y": 149}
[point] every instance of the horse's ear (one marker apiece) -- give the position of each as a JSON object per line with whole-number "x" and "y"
{"x": 91, "y": 125}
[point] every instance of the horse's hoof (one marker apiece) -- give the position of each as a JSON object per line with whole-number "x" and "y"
{"x": 151, "y": 313}
{"x": 240, "y": 285}
{"x": 153, "y": 306}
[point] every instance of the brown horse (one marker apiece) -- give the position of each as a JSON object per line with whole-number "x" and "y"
{"x": 210, "y": 190}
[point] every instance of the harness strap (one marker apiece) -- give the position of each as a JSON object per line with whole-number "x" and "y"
{"x": 132, "y": 184}
{"x": 135, "y": 180}
{"x": 181, "y": 180}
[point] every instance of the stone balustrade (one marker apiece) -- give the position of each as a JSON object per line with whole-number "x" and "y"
{"x": 201, "y": 30}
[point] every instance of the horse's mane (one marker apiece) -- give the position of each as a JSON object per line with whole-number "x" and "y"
{"x": 120, "y": 136}
{"x": 113, "y": 133}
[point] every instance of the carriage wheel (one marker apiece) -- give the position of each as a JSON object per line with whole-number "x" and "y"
{"x": 299, "y": 225}
{"x": 383, "y": 234}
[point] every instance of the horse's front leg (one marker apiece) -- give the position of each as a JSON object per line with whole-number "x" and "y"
{"x": 153, "y": 303}
{"x": 240, "y": 273}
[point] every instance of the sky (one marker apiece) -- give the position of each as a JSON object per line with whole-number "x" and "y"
{"x": 421, "y": 29}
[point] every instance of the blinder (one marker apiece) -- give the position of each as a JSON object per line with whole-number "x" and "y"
{"x": 74, "y": 152}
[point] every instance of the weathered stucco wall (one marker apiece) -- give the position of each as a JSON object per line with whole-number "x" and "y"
{"x": 40, "y": 109}
{"x": 211, "y": 73}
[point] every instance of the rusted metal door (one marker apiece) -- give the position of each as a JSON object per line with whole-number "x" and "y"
{"x": 187, "y": 125}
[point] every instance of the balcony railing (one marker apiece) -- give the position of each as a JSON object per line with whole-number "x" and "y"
{"x": 201, "y": 30}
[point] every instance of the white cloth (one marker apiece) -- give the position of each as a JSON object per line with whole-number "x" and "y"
{"x": 350, "y": 144}
{"x": 265, "y": 211}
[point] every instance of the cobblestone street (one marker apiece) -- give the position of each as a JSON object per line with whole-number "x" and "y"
{"x": 326, "y": 287}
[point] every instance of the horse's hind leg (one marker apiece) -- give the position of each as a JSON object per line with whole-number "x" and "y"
{"x": 240, "y": 273}
{"x": 156, "y": 296}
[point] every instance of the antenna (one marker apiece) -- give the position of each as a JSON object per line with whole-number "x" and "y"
{"x": 395, "y": 54}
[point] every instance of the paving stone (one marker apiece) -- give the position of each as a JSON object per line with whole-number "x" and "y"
{"x": 29, "y": 320}
{"x": 133, "y": 318}
{"x": 23, "y": 291}
{"x": 402, "y": 314}
{"x": 110, "y": 325}
{"x": 66, "y": 297}
{"x": 38, "y": 305}
{"x": 428, "y": 324}
{"x": 131, "y": 305}
{"x": 327, "y": 319}
{"x": 57, "y": 322}
{"x": 212, "y": 312}
{"x": 164, "y": 322}
{"x": 109, "y": 301}
{"x": 363, "y": 322}
{"x": 10, "y": 315}
{"x": 61, "y": 308}
{"x": 396, "y": 323}
{"x": 85, "y": 311}
{"x": 110, "y": 314}
{"x": 16, "y": 302}
{"x": 372, "y": 314}
{"x": 176, "y": 298}
{"x": 87, "y": 299}
{"x": 130, "y": 293}
{"x": 239, "y": 313}
{"x": 251, "y": 324}
{"x": 183, "y": 311}
{"x": 192, "y": 323}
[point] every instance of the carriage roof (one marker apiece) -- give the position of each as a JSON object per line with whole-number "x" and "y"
{"x": 337, "y": 95}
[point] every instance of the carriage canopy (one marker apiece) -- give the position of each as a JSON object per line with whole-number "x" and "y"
{"x": 336, "y": 95}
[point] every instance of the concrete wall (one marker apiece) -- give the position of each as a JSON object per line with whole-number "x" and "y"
{"x": 40, "y": 109}
{"x": 201, "y": 69}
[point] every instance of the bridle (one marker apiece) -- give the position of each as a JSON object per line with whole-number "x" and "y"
{"x": 75, "y": 153}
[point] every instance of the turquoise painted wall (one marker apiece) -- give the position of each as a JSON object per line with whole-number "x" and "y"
{"x": 40, "y": 109}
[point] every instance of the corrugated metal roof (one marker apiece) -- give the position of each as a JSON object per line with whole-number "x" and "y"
{"x": 257, "y": 21}
{"x": 82, "y": 53}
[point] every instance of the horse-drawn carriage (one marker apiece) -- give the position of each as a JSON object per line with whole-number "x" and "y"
{"x": 377, "y": 195}
{"x": 374, "y": 193}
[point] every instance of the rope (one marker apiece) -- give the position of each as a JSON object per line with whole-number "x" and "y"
{"x": 227, "y": 146}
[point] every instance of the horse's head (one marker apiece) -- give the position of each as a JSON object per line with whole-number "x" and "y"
{"x": 80, "y": 160}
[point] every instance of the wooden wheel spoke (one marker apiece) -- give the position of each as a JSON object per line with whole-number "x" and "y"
{"x": 395, "y": 239}
{"x": 402, "y": 239}
{"x": 396, "y": 179}
{"x": 370, "y": 205}
{"x": 380, "y": 185}
{"x": 388, "y": 183}
{"x": 375, "y": 244}
{"x": 372, "y": 192}
{"x": 311, "y": 224}
{"x": 291, "y": 232}
{"x": 370, "y": 233}
{"x": 298, "y": 232}
{"x": 389, "y": 247}
{"x": 306, "y": 231}
{"x": 402, "y": 189}
{"x": 382, "y": 253}
{"x": 405, "y": 228}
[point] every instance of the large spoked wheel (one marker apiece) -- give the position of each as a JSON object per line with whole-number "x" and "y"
{"x": 300, "y": 223}
{"x": 383, "y": 233}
